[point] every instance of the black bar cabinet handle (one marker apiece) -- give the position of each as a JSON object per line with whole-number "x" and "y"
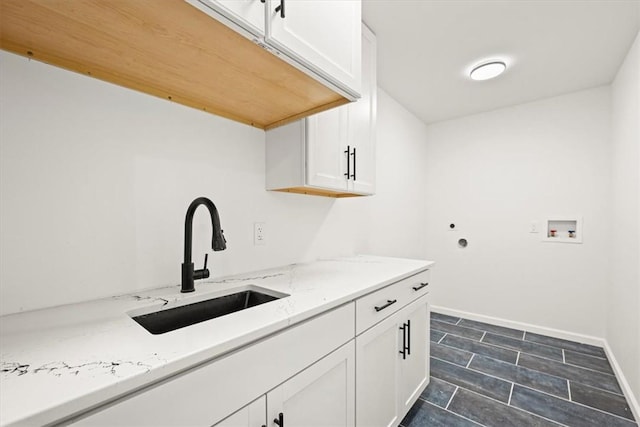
{"x": 404, "y": 341}
{"x": 409, "y": 337}
{"x": 389, "y": 302}
{"x": 281, "y": 9}
{"x": 280, "y": 420}
{"x": 422, "y": 285}
{"x": 354, "y": 163}
{"x": 348, "y": 152}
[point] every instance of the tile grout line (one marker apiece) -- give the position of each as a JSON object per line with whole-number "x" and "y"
{"x": 445, "y": 334}
{"x": 510, "y": 394}
{"x": 459, "y": 320}
{"x": 518, "y": 360}
{"x": 469, "y": 362}
{"x": 451, "y": 398}
{"x": 569, "y": 390}
{"x": 564, "y": 360}
{"x": 482, "y": 337}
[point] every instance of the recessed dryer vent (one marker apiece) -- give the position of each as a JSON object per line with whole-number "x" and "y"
{"x": 563, "y": 229}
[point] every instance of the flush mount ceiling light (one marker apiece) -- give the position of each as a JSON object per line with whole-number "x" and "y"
{"x": 487, "y": 70}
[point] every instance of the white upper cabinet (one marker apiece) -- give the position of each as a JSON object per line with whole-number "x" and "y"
{"x": 323, "y": 35}
{"x": 362, "y": 121}
{"x": 330, "y": 153}
{"x": 327, "y": 135}
{"x": 320, "y": 37}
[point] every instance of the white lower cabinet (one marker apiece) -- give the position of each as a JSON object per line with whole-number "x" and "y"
{"x": 414, "y": 370}
{"x": 377, "y": 374}
{"x": 321, "y": 395}
{"x": 392, "y": 365}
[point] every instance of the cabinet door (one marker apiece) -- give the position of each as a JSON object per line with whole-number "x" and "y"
{"x": 246, "y": 14}
{"x": 322, "y": 35}
{"x": 321, "y": 395}
{"x": 362, "y": 120}
{"x": 414, "y": 369}
{"x": 377, "y": 374}
{"x": 326, "y": 143}
{"x": 252, "y": 415}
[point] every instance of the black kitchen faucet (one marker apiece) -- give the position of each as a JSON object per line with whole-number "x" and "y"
{"x": 218, "y": 243}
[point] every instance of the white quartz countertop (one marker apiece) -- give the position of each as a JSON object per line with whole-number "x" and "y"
{"x": 59, "y": 361}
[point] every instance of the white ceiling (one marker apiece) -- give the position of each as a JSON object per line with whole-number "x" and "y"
{"x": 425, "y": 49}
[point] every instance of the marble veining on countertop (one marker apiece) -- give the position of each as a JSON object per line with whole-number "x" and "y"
{"x": 60, "y": 361}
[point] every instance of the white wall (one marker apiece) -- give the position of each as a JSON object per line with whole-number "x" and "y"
{"x": 623, "y": 311}
{"x": 95, "y": 181}
{"x": 397, "y": 226}
{"x": 492, "y": 174}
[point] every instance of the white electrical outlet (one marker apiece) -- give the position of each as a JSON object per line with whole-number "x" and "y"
{"x": 259, "y": 236}
{"x": 535, "y": 227}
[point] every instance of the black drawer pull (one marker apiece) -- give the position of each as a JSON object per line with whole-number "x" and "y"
{"x": 389, "y": 302}
{"x": 422, "y": 285}
{"x": 281, "y": 10}
{"x": 280, "y": 420}
{"x": 403, "y": 352}
{"x": 409, "y": 337}
{"x": 348, "y": 153}
{"x": 354, "y": 163}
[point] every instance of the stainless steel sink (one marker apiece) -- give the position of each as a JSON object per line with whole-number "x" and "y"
{"x": 170, "y": 319}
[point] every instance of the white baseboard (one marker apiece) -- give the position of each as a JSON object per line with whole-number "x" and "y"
{"x": 556, "y": 333}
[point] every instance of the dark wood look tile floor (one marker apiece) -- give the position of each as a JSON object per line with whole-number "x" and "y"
{"x": 492, "y": 376}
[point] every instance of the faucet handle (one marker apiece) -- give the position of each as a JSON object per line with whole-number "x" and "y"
{"x": 204, "y": 273}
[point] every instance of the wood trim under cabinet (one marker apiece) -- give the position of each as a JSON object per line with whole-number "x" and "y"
{"x": 317, "y": 192}
{"x": 170, "y": 50}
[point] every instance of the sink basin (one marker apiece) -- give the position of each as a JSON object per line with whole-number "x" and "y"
{"x": 170, "y": 319}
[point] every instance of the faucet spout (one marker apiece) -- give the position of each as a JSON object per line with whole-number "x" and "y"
{"x": 218, "y": 243}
